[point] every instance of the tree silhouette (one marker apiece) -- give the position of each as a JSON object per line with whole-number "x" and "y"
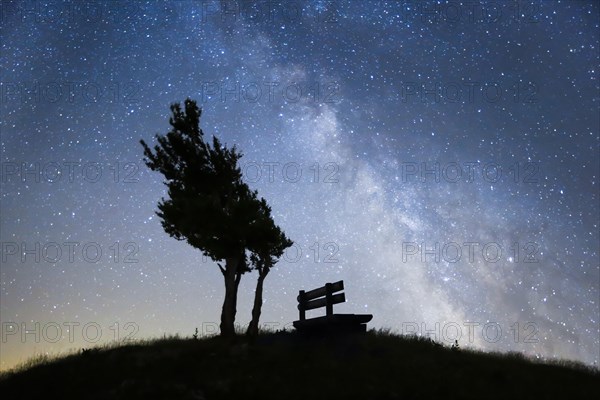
{"x": 266, "y": 247}
{"x": 209, "y": 205}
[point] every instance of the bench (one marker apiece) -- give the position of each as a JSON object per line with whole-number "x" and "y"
{"x": 325, "y": 297}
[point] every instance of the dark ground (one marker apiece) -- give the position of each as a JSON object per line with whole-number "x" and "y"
{"x": 286, "y": 366}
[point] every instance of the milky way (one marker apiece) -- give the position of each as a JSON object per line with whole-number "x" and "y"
{"x": 440, "y": 158}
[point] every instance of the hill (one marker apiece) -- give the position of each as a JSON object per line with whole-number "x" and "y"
{"x": 287, "y": 366}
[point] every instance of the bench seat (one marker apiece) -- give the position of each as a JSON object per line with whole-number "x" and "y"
{"x": 334, "y": 322}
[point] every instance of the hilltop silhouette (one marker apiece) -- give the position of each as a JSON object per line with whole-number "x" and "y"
{"x": 286, "y": 365}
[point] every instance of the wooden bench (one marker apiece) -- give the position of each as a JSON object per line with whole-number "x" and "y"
{"x": 325, "y": 297}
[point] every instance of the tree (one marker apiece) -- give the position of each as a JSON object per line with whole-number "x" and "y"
{"x": 209, "y": 205}
{"x": 269, "y": 244}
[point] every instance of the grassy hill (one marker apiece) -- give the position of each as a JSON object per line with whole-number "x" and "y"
{"x": 287, "y": 366}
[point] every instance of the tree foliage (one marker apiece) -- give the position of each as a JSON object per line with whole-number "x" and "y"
{"x": 210, "y": 206}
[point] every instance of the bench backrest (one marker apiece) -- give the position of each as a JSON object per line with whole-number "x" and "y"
{"x": 321, "y": 297}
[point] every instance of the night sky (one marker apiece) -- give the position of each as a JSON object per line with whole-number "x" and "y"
{"x": 440, "y": 158}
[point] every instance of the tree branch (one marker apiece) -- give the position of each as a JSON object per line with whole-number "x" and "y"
{"x": 221, "y": 268}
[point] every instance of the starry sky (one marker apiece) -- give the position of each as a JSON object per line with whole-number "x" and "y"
{"x": 440, "y": 157}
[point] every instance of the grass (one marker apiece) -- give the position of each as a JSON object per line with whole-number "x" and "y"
{"x": 284, "y": 365}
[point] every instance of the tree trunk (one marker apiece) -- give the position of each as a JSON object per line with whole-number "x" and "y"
{"x": 238, "y": 277}
{"x": 229, "y": 304}
{"x": 256, "y": 309}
